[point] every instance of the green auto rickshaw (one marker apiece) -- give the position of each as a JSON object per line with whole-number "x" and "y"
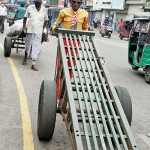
{"x": 11, "y": 12}
{"x": 139, "y": 44}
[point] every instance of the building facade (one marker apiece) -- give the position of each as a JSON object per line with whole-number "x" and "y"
{"x": 114, "y": 9}
{"x": 134, "y": 6}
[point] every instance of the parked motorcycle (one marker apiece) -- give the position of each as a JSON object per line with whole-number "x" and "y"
{"x": 106, "y": 30}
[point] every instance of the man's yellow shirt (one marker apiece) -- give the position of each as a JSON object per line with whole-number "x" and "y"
{"x": 65, "y": 18}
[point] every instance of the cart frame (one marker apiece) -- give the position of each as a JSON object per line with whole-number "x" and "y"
{"x": 88, "y": 102}
{"x": 14, "y": 40}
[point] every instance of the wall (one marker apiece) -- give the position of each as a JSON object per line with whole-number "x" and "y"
{"x": 132, "y": 9}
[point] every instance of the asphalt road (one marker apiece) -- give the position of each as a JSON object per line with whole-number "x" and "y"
{"x": 19, "y": 92}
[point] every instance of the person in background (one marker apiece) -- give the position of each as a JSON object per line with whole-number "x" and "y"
{"x": 115, "y": 25}
{"x": 106, "y": 21}
{"x": 37, "y": 21}
{"x": 95, "y": 22}
{"x": 98, "y": 23}
{"x": 120, "y": 23}
{"x": 20, "y": 12}
{"x": 3, "y": 15}
{"x": 27, "y": 5}
{"x": 73, "y": 17}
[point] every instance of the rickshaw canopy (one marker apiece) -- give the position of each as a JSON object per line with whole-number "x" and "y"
{"x": 12, "y": 6}
{"x": 11, "y": 9}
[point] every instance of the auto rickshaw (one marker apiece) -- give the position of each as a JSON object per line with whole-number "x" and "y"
{"x": 11, "y": 12}
{"x": 53, "y": 13}
{"x": 125, "y": 29}
{"x": 139, "y": 44}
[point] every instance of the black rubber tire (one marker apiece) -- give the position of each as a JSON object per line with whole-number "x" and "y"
{"x": 135, "y": 67}
{"x": 121, "y": 37}
{"x": 7, "y": 46}
{"x": 109, "y": 35}
{"x": 147, "y": 75}
{"x": 102, "y": 35}
{"x": 46, "y": 110}
{"x": 125, "y": 101}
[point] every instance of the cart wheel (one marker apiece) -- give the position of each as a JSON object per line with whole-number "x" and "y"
{"x": 121, "y": 37}
{"x": 126, "y": 103}
{"x": 147, "y": 75}
{"x": 7, "y": 46}
{"x": 135, "y": 67}
{"x": 46, "y": 111}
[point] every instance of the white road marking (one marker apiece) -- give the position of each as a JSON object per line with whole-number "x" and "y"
{"x": 111, "y": 43}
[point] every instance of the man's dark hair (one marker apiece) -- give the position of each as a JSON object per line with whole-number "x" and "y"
{"x": 22, "y": 5}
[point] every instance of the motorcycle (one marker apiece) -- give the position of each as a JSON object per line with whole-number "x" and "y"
{"x": 106, "y": 30}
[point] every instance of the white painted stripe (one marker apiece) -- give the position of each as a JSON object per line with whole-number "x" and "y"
{"x": 111, "y": 43}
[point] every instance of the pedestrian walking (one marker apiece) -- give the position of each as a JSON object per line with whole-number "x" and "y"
{"x": 116, "y": 25}
{"x": 20, "y": 12}
{"x": 98, "y": 23}
{"x": 3, "y": 15}
{"x": 72, "y": 18}
{"x": 120, "y": 23}
{"x": 37, "y": 21}
{"x": 95, "y": 22}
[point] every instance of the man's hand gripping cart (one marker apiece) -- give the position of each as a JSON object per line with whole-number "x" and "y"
{"x": 97, "y": 114}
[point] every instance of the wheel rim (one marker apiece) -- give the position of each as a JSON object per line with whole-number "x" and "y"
{"x": 147, "y": 75}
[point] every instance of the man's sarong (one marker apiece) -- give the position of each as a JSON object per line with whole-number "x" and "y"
{"x": 33, "y": 45}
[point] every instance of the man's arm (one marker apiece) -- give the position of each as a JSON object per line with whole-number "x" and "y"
{"x": 26, "y": 15}
{"x": 85, "y": 24}
{"x": 45, "y": 25}
{"x": 24, "y": 22}
{"x": 59, "y": 20}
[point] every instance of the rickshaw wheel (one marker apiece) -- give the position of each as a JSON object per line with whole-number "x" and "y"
{"x": 147, "y": 75}
{"x": 135, "y": 67}
{"x": 7, "y": 46}
{"x": 125, "y": 101}
{"x": 102, "y": 35}
{"x": 46, "y": 110}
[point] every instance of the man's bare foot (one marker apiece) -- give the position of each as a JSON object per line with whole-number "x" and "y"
{"x": 34, "y": 68}
{"x": 24, "y": 62}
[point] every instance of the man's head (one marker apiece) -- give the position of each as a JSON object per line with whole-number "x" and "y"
{"x": 22, "y": 5}
{"x": 38, "y": 3}
{"x": 76, "y": 4}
